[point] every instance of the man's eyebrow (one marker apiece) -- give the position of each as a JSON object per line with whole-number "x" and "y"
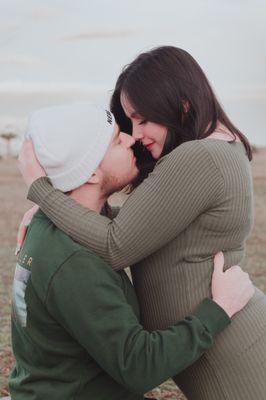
{"x": 116, "y": 135}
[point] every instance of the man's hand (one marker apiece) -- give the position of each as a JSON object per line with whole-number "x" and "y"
{"x": 22, "y": 230}
{"x": 29, "y": 166}
{"x": 231, "y": 289}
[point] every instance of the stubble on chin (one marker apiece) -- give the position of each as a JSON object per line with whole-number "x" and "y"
{"x": 111, "y": 185}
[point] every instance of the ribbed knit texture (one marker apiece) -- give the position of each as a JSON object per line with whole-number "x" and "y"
{"x": 197, "y": 201}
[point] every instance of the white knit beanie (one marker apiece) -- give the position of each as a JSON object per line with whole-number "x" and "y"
{"x": 70, "y": 141}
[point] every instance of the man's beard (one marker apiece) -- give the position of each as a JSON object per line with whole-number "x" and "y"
{"x": 111, "y": 184}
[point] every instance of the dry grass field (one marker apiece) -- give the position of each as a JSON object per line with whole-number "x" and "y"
{"x": 13, "y": 204}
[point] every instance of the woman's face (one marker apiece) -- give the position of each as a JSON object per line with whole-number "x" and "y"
{"x": 151, "y": 135}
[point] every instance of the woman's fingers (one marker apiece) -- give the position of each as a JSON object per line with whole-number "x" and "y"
{"x": 29, "y": 166}
{"x": 22, "y": 230}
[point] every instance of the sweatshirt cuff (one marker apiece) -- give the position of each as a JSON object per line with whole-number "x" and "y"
{"x": 39, "y": 189}
{"x": 212, "y": 316}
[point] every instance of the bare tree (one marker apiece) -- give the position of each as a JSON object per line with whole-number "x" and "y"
{"x": 8, "y": 135}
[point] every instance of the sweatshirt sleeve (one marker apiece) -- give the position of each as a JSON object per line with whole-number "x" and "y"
{"x": 87, "y": 299}
{"x": 183, "y": 185}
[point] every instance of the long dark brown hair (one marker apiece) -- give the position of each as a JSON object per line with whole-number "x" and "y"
{"x": 159, "y": 84}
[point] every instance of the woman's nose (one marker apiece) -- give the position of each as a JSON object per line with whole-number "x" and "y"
{"x": 137, "y": 132}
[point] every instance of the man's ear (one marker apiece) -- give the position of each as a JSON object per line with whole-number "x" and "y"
{"x": 95, "y": 178}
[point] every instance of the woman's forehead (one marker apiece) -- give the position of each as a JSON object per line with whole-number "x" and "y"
{"x": 127, "y": 107}
{"x": 126, "y": 104}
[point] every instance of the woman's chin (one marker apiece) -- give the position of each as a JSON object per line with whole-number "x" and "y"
{"x": 155, "y": 153}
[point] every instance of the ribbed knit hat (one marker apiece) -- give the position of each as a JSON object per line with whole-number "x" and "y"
{"x": 70, "y": 141}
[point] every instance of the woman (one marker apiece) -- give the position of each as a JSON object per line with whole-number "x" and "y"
{"x": 196, "y": 201}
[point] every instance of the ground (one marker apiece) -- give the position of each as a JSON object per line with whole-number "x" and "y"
{"x": 13, "y": 205}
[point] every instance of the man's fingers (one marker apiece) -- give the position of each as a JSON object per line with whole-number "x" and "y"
{"x": 234, "y": 268}
{"x": 219, "y": 262}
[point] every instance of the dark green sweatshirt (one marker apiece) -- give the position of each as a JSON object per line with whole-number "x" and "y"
{"x": 76, "y": 331}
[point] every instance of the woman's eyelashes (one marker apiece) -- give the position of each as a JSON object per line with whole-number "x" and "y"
{"x": 143, "y": 122}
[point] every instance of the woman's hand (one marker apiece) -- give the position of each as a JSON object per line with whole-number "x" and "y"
{"x": 231, "y": 289}
{"x": 29, "y": 166}
{"x": 22, "y": 230}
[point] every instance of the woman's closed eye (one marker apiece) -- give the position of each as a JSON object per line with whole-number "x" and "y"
{"x": 143, "y": 122}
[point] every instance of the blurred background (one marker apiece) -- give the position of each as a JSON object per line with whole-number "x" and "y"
{"x": 60, "y": 50}
{"x": 56, "y": 51}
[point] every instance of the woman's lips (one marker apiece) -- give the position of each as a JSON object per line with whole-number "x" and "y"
{"x": 148, "y": 146}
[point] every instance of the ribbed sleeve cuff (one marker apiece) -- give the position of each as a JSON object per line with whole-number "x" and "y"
{"x": 212, "y": 316}
{"x": 39, "y": 189}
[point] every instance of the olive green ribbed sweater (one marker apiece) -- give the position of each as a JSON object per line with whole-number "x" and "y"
{"x": 198, "y": 200}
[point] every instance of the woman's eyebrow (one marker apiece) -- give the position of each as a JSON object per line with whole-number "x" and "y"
{"x": 134, "y": 115}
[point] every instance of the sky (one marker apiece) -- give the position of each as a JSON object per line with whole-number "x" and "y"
{"x": 61, "y": 50}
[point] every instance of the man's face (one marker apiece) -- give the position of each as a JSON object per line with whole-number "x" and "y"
{"x": 119, "y": 164}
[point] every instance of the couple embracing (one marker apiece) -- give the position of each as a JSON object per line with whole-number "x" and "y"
{"x": 79, "y": 328}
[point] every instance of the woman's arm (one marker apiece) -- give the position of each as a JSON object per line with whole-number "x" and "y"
{"x": 183, "y": 185}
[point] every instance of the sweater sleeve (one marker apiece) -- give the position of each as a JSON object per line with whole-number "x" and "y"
{"x": 87, "y": 299}
{"x": 183, "y": 185}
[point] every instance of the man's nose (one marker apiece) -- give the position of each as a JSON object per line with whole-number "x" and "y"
{"x": 127, "y": 139}
{"x": 131, "y": 141}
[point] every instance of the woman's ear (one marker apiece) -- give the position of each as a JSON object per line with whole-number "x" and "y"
{"x": 186, "y": 106}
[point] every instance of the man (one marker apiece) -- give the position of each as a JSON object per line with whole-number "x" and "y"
{"x": 75, "y": 322}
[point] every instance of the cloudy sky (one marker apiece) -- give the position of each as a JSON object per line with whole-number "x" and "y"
{"x": 59, "y": 48}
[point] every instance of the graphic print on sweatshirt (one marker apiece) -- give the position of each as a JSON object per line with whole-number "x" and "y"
{"x": 21, "y": 277}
